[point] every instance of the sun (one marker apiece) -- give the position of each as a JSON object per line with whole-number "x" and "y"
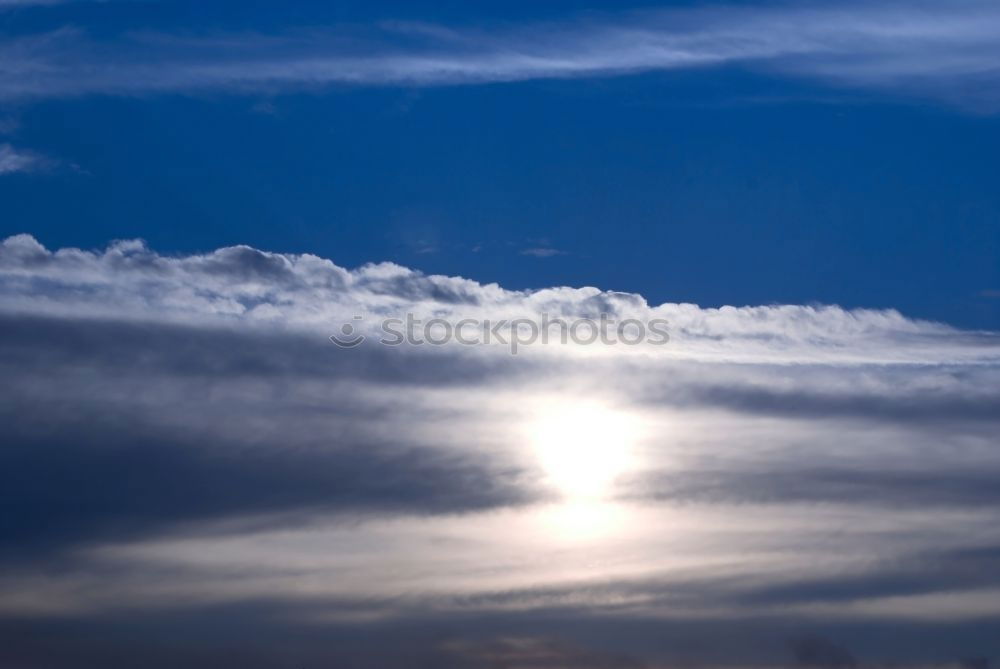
{"x": 582, "y": 447}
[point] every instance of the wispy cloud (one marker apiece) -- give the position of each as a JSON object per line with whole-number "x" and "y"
{"x": 20, "y": 3}
{"x": 16, "y": 4}
{"x": 542, "y": 252}
{"x": 948, "y": 51}
{"x": 18, "y": 160}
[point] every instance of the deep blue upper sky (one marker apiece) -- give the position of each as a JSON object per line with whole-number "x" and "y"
{"x": 714, "y": 184}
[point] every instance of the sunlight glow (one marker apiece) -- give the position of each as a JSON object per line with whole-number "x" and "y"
{"x": 583, "y": 447}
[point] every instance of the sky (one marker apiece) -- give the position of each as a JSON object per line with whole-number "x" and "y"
{"x": 213, "y": 456}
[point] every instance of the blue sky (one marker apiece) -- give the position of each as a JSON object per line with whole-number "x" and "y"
{"x": 857, "y": 179}
{"x": 202, "y": 202}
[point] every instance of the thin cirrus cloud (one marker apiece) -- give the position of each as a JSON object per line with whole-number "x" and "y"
{"x": 946, "y": 51}
{"x": 22, "y": 3}
{"x": 14, "y": 160}
{"x": 542, "y": 252}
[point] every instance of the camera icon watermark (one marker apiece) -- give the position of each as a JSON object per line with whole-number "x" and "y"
{"x": 514, "y": 334}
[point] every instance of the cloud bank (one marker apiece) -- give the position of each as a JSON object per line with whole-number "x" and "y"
{"x": 188, "y": 462}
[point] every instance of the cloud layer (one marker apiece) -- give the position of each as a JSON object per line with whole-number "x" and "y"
{"x": 944, "y": 51}
{"x": 189, "y": 461}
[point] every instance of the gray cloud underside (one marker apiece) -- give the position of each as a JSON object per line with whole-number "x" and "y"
{"x": 925, "y": 486}
{"x": 255, "y": 636}
{"x": 116, "y": 428}
{"x": 943, "y": 50}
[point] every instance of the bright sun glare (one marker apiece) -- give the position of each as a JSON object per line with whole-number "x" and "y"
{"x": 583, "y": 447}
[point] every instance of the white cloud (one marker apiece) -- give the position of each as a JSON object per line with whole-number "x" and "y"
{"x": 244, "y": 285}
{"x": 942, "y": 50}
{"x": 17, "y": 160}
{"x": 209, "y": 446}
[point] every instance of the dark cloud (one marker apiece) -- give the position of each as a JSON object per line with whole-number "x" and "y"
{"x": 938, "y": 572}
{"x": 260, "y": 635}
{"x": 891, "y": 486}
{"x": 922, "y": 405}
{"x": 530, "y": 653}
{"x": 82, "y": 483}
{"x": 115, "y": 429}
{"x": 917, "y": 407}
{"x": 820, "y": 652}
{"x": 32, "y": 345}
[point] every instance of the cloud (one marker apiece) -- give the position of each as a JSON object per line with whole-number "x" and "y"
{"x": 542, "y": 252}
{"x": 947, "y": 52}
{"x": 820, "y": 652}
{"x": 969, "y": 569}
{"x": 245, "y": 287}
{"x": 7, "y": 4}
{"x": 186, "y": 452}
{"x": 890, "y": 487}
{"x": 17, "y": 160}
{"x": 531, "y": 653}
{"x": 160, "y": 456}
